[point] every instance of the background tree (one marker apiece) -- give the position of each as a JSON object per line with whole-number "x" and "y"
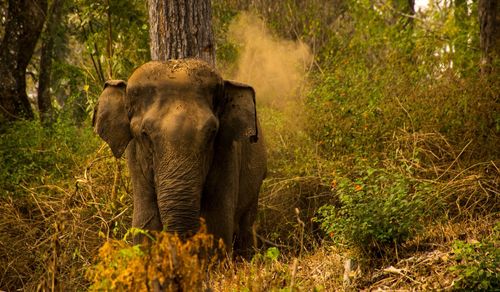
{"x": 46, "y": 56}
{"x": 3, "y": 16}
{"x": 181, "y": 29}
{"x": 489, "y": 24}
{"x": 24, "y": 24}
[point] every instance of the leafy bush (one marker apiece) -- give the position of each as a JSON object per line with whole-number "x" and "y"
{"x": 478, "y": 264}
{"x": 377, "y": 210}
{"x": 32, "y": 153}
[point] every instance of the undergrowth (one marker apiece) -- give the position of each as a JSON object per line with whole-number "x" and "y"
{"x": 32, "y": 153}
{"x": 478, "y": 263}
{"x": 378, "y": 210}
{"x": 166, "y": 262}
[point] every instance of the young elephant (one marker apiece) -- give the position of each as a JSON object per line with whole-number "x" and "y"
{"x": 194, "y": 148}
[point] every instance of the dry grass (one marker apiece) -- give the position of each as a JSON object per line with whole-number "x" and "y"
{"x": 426, "y": 264}
{"x": 321, "y": 270}
{"x": 467, "y": 187}
{"x": 287, "y": 206}
{"x": 48, "y": 238}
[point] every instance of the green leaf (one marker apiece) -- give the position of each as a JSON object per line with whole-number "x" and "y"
{"x": 272, "y": 253}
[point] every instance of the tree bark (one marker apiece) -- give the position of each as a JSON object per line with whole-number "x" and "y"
{"x": 47, "y": 53}
{"x": 24, "y": 24}
{"x": 109, "y": 45}
{"x": 181, "y": 29}
{"x": 410, "y": 11}
{"x": 489, "y": 34}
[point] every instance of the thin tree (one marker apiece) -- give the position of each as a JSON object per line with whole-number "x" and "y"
{"x": 181, "y": 29}
{"x": 46, "y": 56}
{"x": 489, "y": 34}
{"x": 24, "y": 24}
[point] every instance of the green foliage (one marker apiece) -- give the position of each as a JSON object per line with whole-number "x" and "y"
{"x": 269, "y": 255}
{"x": 291, "y": 150}
{"x": 226, "y": 53}
{"x": 113, "y": 40}
{"x": 31, "y": 153}
{"x": 91, "y": 23}
{"x": 478, "y": 264}
{"x": 378, "y": 209}
{"x": 272, "y": 253}
{"x": 379, "y": 76}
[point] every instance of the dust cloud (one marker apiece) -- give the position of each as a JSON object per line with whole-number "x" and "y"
{"x": 274, "y": 67}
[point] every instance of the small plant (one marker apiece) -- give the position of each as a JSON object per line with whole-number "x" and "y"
{"x": 167, "y": 263}
{"x": 272, "y": 253}
{"x": 377, "y": 210}
{"x": 478, "y": 264}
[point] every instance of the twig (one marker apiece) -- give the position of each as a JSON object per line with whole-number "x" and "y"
{"x": 456, "y": 159}
{"x": 270, "y": 242}
{"x": 39, "y": 207}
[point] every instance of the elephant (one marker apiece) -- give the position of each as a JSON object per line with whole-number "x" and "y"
{"x": 194, "y": 149}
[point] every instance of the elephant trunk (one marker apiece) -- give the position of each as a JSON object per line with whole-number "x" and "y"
{"x": 178, "y": 188}
{"x": 179, "y": 206}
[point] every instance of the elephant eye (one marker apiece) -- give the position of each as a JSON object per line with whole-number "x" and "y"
{"x": 145, "y": 132}
{"x": 211, "y": 135}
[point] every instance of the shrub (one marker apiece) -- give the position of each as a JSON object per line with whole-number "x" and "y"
{"x": 33, "y": 153}
{"x": 478, "y": 264}
{"x": 377, "y": 210}
{"x": 168, "y": 263}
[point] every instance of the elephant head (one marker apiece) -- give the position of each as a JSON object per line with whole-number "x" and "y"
{"x": 176, "y": 113}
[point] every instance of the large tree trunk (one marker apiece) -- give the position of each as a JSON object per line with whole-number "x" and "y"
{"x": 47, "y": 53}
{"x": 181, "y": 29}
{"x": 489, "y": 25}
{"x": 24, "y": 24}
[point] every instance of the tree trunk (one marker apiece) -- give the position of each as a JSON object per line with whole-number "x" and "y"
{"x": 404, "y": 11}
{"x": 24, "y": 24}
{"x": 181, "y": 29}
{"x": 489, "y": 25}
{"x": 47, "y": 53}
{"x": 410, "y": 11}
{"x": 109, "y": 44}
{"x": 3, "y": 17}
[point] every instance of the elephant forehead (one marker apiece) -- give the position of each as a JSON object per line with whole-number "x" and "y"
{"x": 175, "y": 73}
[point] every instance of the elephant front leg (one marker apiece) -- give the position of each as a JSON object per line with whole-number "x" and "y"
{"x": 218, "y": 214}
{"x": 220, "y": 196}
{"x": 245, "y": 240}
{"x": 146, "y": 214}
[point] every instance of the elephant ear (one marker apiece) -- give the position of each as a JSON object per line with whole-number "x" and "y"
{"x": 110, "y": 119}
{"x": 239, "y": 116}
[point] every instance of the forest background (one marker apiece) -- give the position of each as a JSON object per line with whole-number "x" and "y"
{"x": 382, "y": 127}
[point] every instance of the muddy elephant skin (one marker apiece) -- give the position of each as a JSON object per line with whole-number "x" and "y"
{"x": 193, "y": 145}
